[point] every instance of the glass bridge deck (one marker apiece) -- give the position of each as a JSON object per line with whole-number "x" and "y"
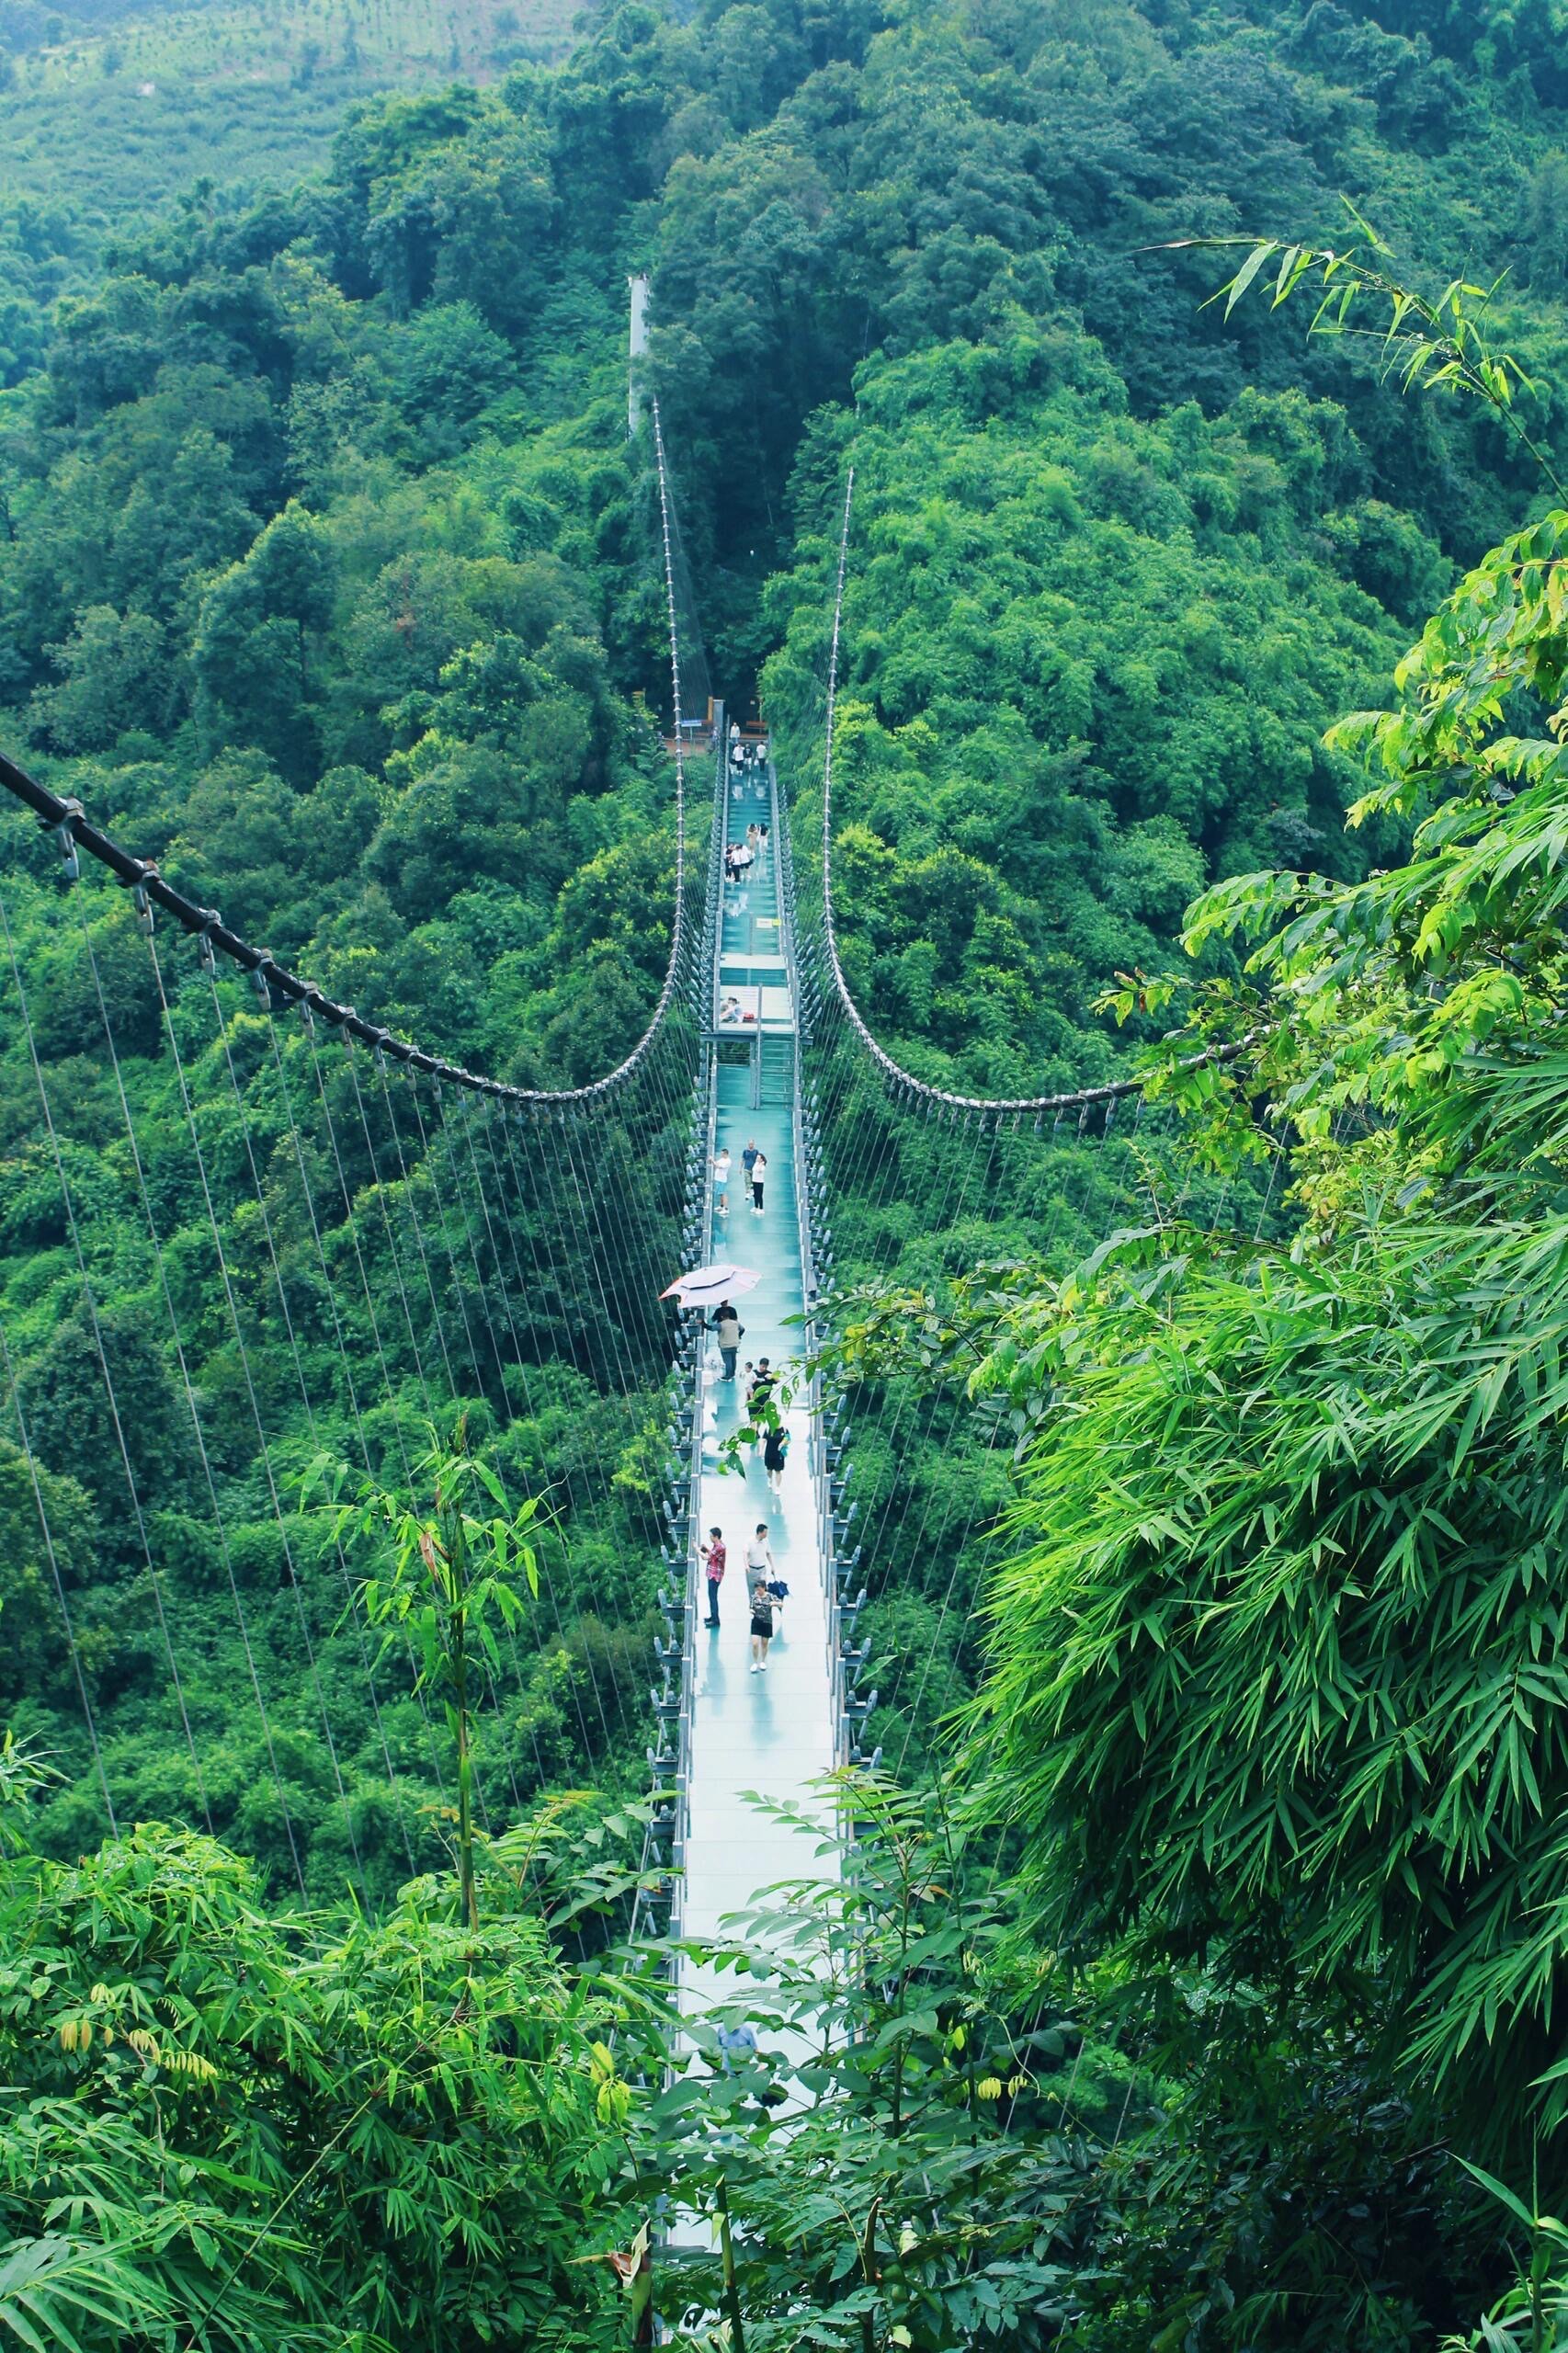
{"x": 769, "y": 1734}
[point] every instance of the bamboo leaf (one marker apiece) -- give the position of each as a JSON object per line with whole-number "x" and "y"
{"x": 1247, "y": 272}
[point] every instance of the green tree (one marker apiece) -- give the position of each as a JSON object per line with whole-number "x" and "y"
{"x": 116, "y": 677}
{"x": 452, "y": 1580}
{"x": 450, "y": 366}
{"x": 1303, "y": 1710}
{"x": 1545, "y": 225}
{"x": 876, "y": 2131}
{"x": 256, "y": 649}
{"x": 38, "y": 1658}
{"x": 237, "y": 2132}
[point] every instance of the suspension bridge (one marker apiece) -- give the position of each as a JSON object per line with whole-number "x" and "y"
{"x": 340, "y": 1234}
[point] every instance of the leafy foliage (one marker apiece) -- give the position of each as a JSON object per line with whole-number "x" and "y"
{"x": 885, "y": 2152}
{"x": 326, "y": 583}
{"x": 244, "y": 2131}
{"x": 1273, "y": 1698}
{"x": 451, "y": 1578}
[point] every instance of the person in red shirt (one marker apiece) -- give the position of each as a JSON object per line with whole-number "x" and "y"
{"x": 714, "y": 1557}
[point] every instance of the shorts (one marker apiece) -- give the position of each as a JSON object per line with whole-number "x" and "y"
{"x": 762, "y": 1626}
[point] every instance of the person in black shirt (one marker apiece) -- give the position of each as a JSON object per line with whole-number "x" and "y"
{"x": 775, "y": 1453}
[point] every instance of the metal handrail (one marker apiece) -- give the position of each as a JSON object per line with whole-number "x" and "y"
{"x": 808, "y": 1279}
{"x": 679, "y": 1828}
{"x": 700, "y": 1370}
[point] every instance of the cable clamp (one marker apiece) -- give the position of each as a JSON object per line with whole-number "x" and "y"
{"x": 61, "y": 832}
{"x": 206, "y": 953}
{"x": 146, "y": 871}
{"x": 259, "y": 981}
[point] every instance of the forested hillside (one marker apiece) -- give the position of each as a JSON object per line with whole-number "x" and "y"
{"x": 108, "y": 110}
{"x": 330, "y": 580}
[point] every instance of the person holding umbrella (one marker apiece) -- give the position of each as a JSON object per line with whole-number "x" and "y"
{"x": 727, "y": 1329}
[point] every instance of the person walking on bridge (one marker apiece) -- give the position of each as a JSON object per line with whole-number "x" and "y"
{"x": 715, "y": 1559}
{"x": 758, "y": 1176}
{"x": 761, "y": 1566}
{"x": 775, "y": 1454}
{"x": 759, "y": 1389}
{"x": 727, "y": 1329}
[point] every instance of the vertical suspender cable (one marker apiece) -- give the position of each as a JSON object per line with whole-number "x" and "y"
{"x": 366, "y": 1664}
{"x": 252, "y": 1396}
{"x": 88, "y": 1718}
{"x": 115, "y": 1417}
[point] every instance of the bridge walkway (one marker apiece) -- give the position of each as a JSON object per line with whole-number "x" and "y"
{"x": 773, "y": 1733}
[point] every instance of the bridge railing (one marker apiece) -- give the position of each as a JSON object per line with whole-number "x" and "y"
{"x": 658, "y": 1906}
{"x": 830, "y": 1464}
{"x": 705, "y": 986}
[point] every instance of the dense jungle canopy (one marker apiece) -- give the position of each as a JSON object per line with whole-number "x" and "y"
{"x": 1203, "y": 692}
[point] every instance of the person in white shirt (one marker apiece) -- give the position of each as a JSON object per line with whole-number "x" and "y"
{"x": 761, "y": 1567}
{"x": 727, "y": 1329}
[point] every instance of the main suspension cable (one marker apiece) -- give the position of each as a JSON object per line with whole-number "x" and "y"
{"x": 68, "y": 824}
{"x": 903, "y": 1081}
